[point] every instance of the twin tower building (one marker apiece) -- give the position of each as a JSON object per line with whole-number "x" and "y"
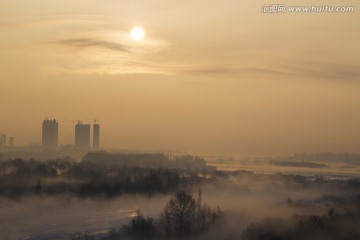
{"x": 50, "y": 133}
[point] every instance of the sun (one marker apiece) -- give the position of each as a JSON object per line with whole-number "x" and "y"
{"x": 137, "y": 33}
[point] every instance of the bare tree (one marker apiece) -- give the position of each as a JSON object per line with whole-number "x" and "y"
{"x": 180, "y": 214}
{"x": 185, "y": 215}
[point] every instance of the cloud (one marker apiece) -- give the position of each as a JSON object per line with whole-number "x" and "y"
{"x": 212, "y": 70}
{"x": 220, "y": 70}
{"x": 88, "y": 42}
{"x": 110, "y": 52}
{"x": 317, "y": 70}
{"x": 329, "y": 71}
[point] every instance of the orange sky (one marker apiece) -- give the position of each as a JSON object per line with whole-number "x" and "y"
{"x": 215, "y": 77}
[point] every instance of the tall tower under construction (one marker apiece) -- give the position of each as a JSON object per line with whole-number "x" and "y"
{"x": 96, "y": 135}
{"x": 82, "y": 135}
{"x": 50, "y": 128}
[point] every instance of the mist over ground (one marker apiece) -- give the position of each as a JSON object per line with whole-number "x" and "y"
{"x": 63, "y": 199}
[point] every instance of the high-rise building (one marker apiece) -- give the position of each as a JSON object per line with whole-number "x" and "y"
{"x": 82, "y": 135}
{"x": 11, "y": 141}
{"x": 2, "y": 140}
{"x": 50, "y": 133}
{"x": 96, "y": 136}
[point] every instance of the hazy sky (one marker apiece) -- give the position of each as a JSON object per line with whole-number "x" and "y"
{"x": 214, "y": 77}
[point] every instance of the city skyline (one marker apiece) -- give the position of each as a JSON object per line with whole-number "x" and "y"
{"x": 50, "y": 135}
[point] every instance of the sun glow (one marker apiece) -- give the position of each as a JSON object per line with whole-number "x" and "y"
{"x": 137, "y": 33}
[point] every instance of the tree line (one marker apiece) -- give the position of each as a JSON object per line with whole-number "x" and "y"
{"x": 93, "y": 177}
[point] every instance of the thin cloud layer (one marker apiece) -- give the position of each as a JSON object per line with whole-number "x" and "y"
{"x": 325, "y": 70}
{"x": 87, "y": 42}
{"x": 316, "y": 70}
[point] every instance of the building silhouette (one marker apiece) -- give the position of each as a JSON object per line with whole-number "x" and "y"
{"x": 82, "y": 135}
{"x": 50, "y": 129}
{"x": 11, "y": 141}
{"x": 96, "y": 136}
{"x": 2, "y": 140}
